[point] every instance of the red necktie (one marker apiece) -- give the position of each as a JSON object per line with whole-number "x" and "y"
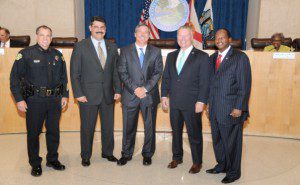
{"x": 218, "y": 62}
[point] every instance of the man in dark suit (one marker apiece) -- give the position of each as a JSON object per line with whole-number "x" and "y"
{"x": 96, "y": 85}
{"x": 186, "y": 81}
{"x": 140, "y": 67}
{"x": 228, "y": 105}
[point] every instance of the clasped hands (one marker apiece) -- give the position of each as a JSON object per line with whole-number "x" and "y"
{"x": 165, "y": 105}
{"x": 140, "y": 92}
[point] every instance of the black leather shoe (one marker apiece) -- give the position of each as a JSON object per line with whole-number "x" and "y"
{"x": 110, "y": 158}
{"x": 147, "y": 161}
{"x": 214, "y": 171}
{"x": 123, "y": 160}
{"x": 56, "y": 165}
{"x": 227, "y": 180}
{"x": 36, "y": 171}
{"x": 85, "y": 162}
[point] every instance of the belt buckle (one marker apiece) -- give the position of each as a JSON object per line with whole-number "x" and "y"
{"x": 48, "y": 92}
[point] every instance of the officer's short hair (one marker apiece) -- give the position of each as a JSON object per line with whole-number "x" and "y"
{"x": 141, "y": 25}
{"x": 43, "y": 27}
{"x": 97, "y": 18}
{"x": 6, "y": 30}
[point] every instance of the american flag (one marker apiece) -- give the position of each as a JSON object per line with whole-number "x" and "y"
{"x": 145, "y": 19}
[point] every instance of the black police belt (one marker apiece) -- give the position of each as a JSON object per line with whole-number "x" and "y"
{"x": 45, "y": 92}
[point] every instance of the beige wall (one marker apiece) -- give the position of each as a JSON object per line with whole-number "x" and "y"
{"x": 22, "y": 17}
{"x": 252, "y": 21}
{"x": 279, "y": 16}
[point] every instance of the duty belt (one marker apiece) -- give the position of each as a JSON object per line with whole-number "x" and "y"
{"x": 45, "y": 92}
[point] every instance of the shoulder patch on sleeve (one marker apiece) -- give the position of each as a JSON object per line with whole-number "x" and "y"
{"x": 19, "y": 56}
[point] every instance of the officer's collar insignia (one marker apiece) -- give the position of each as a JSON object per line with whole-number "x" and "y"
{"x": 63, "y": 59}
{"x": 19, "y": 56}
{"x": 56, "y": 58}
{"x": 36, "y": 61}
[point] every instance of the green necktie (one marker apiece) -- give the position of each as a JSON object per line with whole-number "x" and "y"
{"x": 180, "y": 63}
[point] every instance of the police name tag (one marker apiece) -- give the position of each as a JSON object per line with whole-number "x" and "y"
{"x": 1, "y": 51}
{"x": 282, "y": 55}
{"x": 36, "y": 61}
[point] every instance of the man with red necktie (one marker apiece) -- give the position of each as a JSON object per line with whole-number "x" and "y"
{"x": 228, "y": 105}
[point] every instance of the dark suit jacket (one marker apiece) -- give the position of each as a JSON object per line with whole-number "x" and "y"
{"x": 230, "y": 87}
{"x": 133, "y": 76}
{"x": 191, "y": 85}
{"x": 87, "y": 76}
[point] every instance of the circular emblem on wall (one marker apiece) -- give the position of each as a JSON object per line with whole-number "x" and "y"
{"x": 169, "y": 15}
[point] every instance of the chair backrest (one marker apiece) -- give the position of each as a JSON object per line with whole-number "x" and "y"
{"x": 63, "y": 42}
{"x": 258, "y": 44}
{"x": 296, "y": 44}
{"x": 210, "y": 44}
{"x": 20, "y": 41}
{"x": 164, "y": 43}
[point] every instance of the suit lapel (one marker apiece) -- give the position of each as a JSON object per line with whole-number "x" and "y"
{"x": 174, "y": 61}
{"x": 225, "y": 60}
{"x": 146, "y": 58}
{"x": 108, "y": 52}
{"x": 93, "y": 52}
{"x": 188, "y": 60}
{"x": 135, "y": 57}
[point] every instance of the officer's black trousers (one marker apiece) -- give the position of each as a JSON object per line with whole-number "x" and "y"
{"x": 37, "y": 113}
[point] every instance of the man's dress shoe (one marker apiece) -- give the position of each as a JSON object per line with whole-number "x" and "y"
{"x": 123, "y": 160}
{"x": 36, "y": 171}
{"x": 56, "y": 165}
{"x": 174, "y": 164}
{"x": 85, "y": 162}
{"x": 195, "y": 168}
{"x": 110, "y": 158}
{"x": 147, "y": 161}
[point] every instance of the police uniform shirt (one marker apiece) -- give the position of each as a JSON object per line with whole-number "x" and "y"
{"x": 41, "y": 68}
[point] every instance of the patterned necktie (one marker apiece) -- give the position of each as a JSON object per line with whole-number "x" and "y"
{"x": 101, "y": 55}
{"x": 141, "y": 57}
{"x": 180, "y": 63}
{"x": 218, "y": 62}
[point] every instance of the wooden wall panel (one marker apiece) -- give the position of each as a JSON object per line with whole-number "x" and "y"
{"x": 274, "y": 102}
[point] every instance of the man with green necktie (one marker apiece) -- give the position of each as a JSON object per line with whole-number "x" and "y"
{"x": 185, "y": 80}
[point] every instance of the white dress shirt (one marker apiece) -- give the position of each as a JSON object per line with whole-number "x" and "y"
{"x": 102, "y": 44}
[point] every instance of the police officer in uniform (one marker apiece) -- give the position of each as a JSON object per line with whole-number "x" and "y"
{"x": 38, "y": 82}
